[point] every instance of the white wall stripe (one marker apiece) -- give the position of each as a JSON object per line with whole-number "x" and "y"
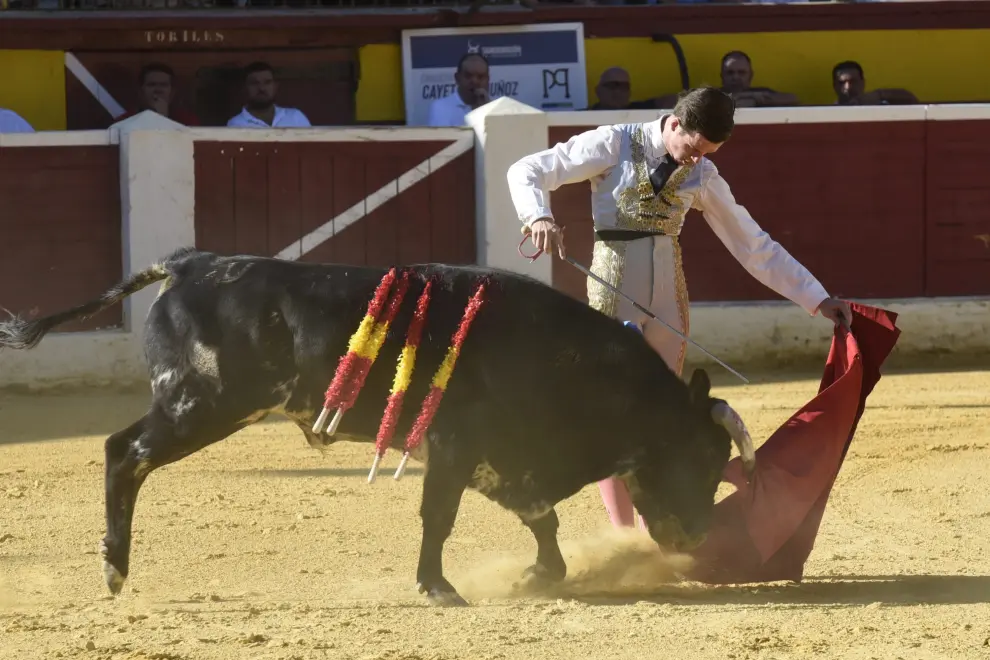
{"x": 328, "y": 134}
{"x": 83, "y": 75}
{"x": 786, "y": 115}
{"x": 392, "y": 189}
{"x": 43, "y": 139}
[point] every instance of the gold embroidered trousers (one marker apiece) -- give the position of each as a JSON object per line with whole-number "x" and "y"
{"x": 650, "y": 271}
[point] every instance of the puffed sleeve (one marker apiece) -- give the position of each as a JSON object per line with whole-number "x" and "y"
{"x": 764, "y": 258}
{"x": 533, "y": 178}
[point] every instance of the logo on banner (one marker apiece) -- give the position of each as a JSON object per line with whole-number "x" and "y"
{"x": 494, "y": 52}
{"x": 556, "y": 78}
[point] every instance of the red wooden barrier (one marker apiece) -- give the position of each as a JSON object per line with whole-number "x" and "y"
{"x": 260, "y": 197}
{"x": 873, "y": 209}
{"x": 60, "y": 224}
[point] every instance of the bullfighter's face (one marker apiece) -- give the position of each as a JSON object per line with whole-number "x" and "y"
{"x": 687, "y": 148}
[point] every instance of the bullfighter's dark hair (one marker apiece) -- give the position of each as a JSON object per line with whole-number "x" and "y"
{"x": 845, "y": 66}
{"x": 152, "y": 67}
{"x": 466, "y": 56}
{"x": 706, "y": 110}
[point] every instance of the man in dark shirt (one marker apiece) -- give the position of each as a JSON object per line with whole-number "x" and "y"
{"x": 849, "y": 83}
{"x": 614, "y": 91}
{"x": 737, "y": 80}
{"x": 156, "y": 92}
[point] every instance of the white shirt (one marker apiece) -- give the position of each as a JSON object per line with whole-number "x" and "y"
{"x": 284, "y": 118}
{"x": 616, "y": 160}
{"x": 11, "y": 122}
{"x": 448, "y": 111}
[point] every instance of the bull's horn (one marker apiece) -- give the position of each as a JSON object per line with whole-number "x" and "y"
{"x": 723, "y": 414}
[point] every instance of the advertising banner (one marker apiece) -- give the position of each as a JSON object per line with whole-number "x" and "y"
{"x": 539, "y": 65}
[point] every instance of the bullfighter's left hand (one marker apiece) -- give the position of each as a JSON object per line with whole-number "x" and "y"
{"x": 837, "y": 311}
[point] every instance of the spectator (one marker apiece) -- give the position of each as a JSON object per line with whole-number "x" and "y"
{"x": 850, "y": 88}
{"x": 11, "y": 122}
{"x": 614, "y": 90}
{"x": 737, "y": 79}
{"x": 155, "y": 93}
{"x": 261, "y": 111}
{"x": 471, "y": 78}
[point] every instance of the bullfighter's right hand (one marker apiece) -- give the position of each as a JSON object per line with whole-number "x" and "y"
{"x": 547, "y": 235}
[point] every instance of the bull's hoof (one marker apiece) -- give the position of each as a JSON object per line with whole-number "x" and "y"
{"x": 114, "y": 579}
{"x": 442, "y": 596}
{"x": 537, "y": 578}
{"x": 544, "y": 573}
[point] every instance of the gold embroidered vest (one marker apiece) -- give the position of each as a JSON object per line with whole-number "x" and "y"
{"x": 641, "y": 209}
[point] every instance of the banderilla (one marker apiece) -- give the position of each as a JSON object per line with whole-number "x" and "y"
{"x": 635, "y": 304}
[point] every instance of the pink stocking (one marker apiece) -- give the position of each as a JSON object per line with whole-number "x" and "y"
{"x": 618, "y": 503}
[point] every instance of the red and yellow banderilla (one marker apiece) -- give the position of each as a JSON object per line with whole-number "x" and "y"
{"x": 403, "y": 376}
{"x": 362, "y": 350}
{"x": 439, "y": 385}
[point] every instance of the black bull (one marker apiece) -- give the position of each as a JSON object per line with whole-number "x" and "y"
{"x": 547, "y": 396}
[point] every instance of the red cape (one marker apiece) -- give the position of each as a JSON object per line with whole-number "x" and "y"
{"x": 766, "y": 529}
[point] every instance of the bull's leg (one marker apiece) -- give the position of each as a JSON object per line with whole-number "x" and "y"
{"x": 443, "y": 486}
{"x": 550, "y": 566}
{"x": 536, "y": 512}
{"x": 131, "y": 455}
{"x": 122, "y": 481}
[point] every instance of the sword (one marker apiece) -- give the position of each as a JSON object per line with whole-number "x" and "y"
{"x": 635, "y": 304}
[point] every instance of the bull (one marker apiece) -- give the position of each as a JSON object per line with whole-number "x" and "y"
{"x": 547, "y": 397}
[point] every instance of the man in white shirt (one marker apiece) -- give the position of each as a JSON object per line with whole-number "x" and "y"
{"x": 471, "y": 92}
{"x": 11, "y": 122}
{"x": 261, "y": 111}
{"x": 644, "y": 178}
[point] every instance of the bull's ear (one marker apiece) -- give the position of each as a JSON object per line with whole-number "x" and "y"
{"x": 700, "y": 386}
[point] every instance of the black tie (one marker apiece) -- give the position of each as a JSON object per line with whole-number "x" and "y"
{"x": 660, "y": 175}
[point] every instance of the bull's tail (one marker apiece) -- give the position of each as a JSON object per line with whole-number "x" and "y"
{"x": 20, "y": 333}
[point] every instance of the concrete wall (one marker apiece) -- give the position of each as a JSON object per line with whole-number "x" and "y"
{"x": 771, "y": 334}
{"x": 157, "y": 191}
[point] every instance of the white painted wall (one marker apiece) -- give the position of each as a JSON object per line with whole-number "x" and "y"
{"x": 768, "y": 333}
{"x": 505, "y": 131}
{"x": 157, "y": 194}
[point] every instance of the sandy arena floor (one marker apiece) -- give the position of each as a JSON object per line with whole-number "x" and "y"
{"x": 260, "y": 547}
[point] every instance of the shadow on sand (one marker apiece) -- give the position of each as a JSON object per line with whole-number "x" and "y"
{"x": 385, "y": 472}
{"x": 896, "y": 365}
{"x": 844, "y": 590}
{"x": 70, "y": 413}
